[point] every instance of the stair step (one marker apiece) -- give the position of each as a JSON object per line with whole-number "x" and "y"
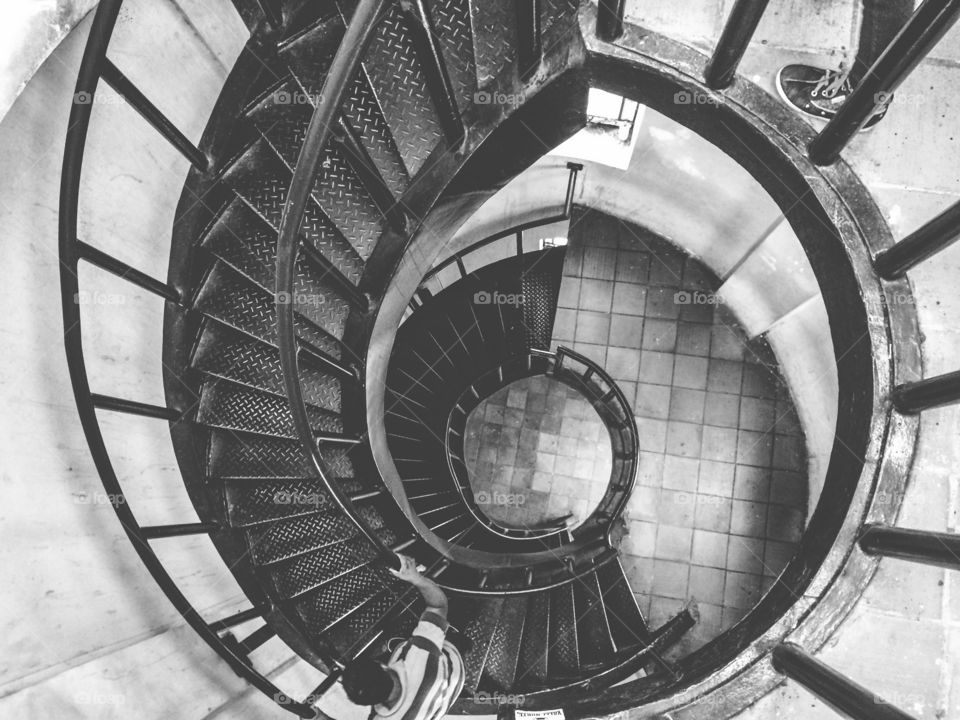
{"x": 564, "y": 650}
{"x": 232, "y": 299}
{"x": 502, "y": 660}
{"x": 396, "y": 609}
{"x": 232, "y": 355}
{"x": 452, "y": 22}
{"x": 245, "y": 242}
{"x": 626, "y": 621}
{"x": 229, "y": 406}
{"x": 261, "y": 179}
{"x": 476, "y": 618}
{"x": 329, "y": 604}
{"x": 399, "y": 82}
{"x": 290, "y": 537}
{"x": 255, "y": 457}
{"x": 298, "y": 575}
{"x": 535, "y": 646}
{"x": 266, "y": 501}
{"x": 336, "y": 187}
{"x": 495, "y": 38}
{"x": 594, "y": 638}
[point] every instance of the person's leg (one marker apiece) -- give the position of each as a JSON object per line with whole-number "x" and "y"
{"x": 882, "y": 20}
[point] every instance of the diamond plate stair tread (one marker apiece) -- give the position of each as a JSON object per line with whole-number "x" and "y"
{"x": 534, "y": 648}
{"x": 452, "y": 21}
{"x": 540, "y": 289}
{"x": 234, "y": 407}
{"x": 306, "y": 572}
{"x": 290, "y": 537}
{"x": 329, "y": 604}
{"x": 256, "y": 457}
{"x": 261, "y": 179}
{"x": 336, "y": 188}
{"x": 501, "y": 666}
{"x": 554, "y": 12}
{"x": 233, "y": 300}
{"x": 495, "y": 38}
{"x": 594, "y": 642}
{"x": 227, "y": 353}
{"x": 400, "y": 86}
{"x": 309, "y": 62}
{"x": 626, "y": 621}
{"x": 394, "y": 609}
{"x": 564, "y": 656}
{"x": 245, "y": 242}
{"x": 267, "y": 501}
{"x": 476, "y": 618}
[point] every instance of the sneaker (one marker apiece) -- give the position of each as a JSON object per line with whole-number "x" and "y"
{"x": 820, "y": 93}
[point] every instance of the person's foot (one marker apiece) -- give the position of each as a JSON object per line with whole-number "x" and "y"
{"x": 819, "y": 93}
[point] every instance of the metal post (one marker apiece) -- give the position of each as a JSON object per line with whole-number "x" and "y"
{"x": 929, "y": 23}
{"x": 936, "y": 235}
{"x": 574, "y": 168}
{"x": 928, "y": 393}
{"x": 838, "y": 691}
{"x": 610, "y": 19}
{"x": 929, "y": 548}
{"x": 736, "y": 36}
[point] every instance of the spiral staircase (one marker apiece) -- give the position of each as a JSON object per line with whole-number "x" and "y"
{"x": 347, "y": 130}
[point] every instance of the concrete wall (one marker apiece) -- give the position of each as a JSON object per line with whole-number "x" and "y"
{"x": 85, "y": 631}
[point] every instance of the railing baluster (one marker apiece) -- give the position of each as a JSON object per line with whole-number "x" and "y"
{"x": 132, "y": 407}
{"x": 461, "y": 267}
{"x": 913, "y": 397}
{"x": 428, "y": 50}
{"x": 736, "y": 36}
{"x": 154, "y": 532}
{"x": 519, "y": 240}
{"x": 236, "y": 619}
{"x": 348, "y": 139}
{"x": 610, "y": 19}
{"x": 929, "y": 23}
{"x": 400, "y": 547}
{"x": 109, "y": 263}
{"x": 838, "y": 691}
{"x": 929, "y": 548}
{"x": 139, "y": 102}
{"x": 257, "y": 638}
{"x": 574, "y": 168}
{"x": 921, "y": 244}
{"x": 336, "y": 439}
{"x": 345, "y": 372}
{"x": 530, "y": 43}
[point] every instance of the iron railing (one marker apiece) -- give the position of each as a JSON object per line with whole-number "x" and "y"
{"x": 613, "y": 408}
{"x": 95, "y": 66}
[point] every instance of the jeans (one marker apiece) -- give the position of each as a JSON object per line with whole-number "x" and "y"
{"x": 882, "y": 20}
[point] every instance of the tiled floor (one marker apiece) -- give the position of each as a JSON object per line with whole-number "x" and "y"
{"x": 722, "y": 494}
{"x": 537, "y": 450}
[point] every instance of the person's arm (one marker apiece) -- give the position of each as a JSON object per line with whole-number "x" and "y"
{"x": 433, "y": 596}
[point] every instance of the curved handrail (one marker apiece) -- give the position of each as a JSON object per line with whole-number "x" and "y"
{"x": 621, "y": 489}
{"x": 346, "y": 62}
{"x": 95, "y": 65}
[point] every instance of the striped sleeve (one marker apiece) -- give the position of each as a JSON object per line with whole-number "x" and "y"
{"x": 432, "y": 628}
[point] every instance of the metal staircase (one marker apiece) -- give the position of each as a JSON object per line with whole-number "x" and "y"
{"x": 340, "y": 129}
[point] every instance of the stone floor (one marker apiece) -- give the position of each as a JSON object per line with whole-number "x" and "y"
{"x": 721, "y": 497}
{"x": 537, "y": 450}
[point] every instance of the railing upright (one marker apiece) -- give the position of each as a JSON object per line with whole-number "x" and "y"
{"x": 737, "y": 33}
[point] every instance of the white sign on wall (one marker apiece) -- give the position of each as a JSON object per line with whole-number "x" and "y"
{"x": 539, "y": 715}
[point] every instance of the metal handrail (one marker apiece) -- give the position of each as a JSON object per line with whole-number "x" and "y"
{"x": 359, "y": 32}
{"x": 94, "y": 65}
{"x": 621, "y": 488}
